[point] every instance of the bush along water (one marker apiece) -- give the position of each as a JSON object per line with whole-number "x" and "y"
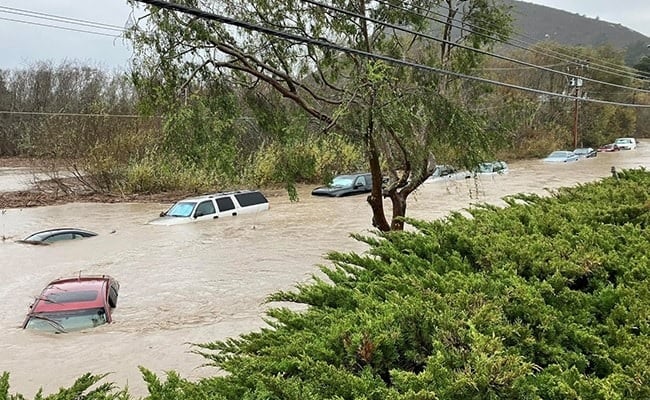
{"x": 546, "y": 298}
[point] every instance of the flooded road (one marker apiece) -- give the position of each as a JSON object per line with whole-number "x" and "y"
{"x": 206, "y": 281}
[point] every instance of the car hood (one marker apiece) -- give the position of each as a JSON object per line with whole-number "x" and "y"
{"x": 329, "y": 190}
{"x": 166, "y": 220}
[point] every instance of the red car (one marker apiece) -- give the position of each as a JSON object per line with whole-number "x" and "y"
{"x": 607, "y": 148}
{"x": 71, "y": 304}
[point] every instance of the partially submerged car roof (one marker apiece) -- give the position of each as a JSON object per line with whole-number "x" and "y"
{"x": 40, "y": 236}
{"x": 217, "y": 194}
{"x": 59, "y": 230}
{"x": 73, "y": 294}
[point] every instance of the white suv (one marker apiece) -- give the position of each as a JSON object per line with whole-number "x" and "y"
{"x": 213, "y": 206}
{"x": 625, "y": 143}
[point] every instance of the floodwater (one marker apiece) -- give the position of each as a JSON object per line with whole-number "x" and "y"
{"x": 206, "y": 281}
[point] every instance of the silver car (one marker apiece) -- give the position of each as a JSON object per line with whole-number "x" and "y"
{"x": 626, "y": 143}
{"x": 561, "y": 156}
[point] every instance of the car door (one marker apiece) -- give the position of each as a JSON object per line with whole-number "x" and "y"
{"x": 360, "y": 184}
{"x": 205, "y": 210}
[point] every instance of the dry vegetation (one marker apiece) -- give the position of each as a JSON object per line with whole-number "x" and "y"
{"x": 50, "y": 191}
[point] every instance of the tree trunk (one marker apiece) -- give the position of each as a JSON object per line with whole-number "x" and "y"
{"x": 399, "y": 211}
{"x": 376, "y": 199}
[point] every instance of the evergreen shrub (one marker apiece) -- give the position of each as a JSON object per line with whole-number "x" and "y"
{"x": 546, "y": 298}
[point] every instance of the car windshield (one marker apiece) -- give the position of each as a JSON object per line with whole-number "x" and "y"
{"x": 342, "y": 181}
{"x": 559, "y": 154}
{"x": 37, "y": 237}
{"x": 67, "y": 321}
{"x": 442, "y": 170}
{"x": 582, "y": 151}
{"x": 623, "y": 141}
{"x": 181, "y": 209}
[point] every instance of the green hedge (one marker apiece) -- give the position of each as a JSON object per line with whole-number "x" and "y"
{"x": 547, "y": 298}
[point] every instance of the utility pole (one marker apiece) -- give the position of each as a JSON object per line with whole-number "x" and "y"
{"x": 576, "y": 83}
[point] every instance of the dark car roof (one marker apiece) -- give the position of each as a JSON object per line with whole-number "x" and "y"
{"x": 336, "y": 191}
{"x": 42, "y": 235}
{"x": 353, "y": 174}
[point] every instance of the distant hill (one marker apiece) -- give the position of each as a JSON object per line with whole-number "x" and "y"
{"x": 539, "y": 23}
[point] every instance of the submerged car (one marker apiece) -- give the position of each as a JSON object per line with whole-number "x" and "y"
{"x": 561, "y": 156}
{"x": 72, "y": 304}
{"x": 608, "y": 148}
{"x": 213, "y": 206}
{"x": 346, "y": 185}
{"x": 445, "y": 172}
{"x": 490, "y": 168}
{"x": 626, "y": 143}
{"x": 585, "y": 152}
{"x": 54, "y": 235}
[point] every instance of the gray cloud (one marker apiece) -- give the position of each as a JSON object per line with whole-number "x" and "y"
{"x": 29, "y": 41}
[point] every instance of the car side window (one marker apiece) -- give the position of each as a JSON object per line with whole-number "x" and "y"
{"x": 205, "y": 208}
{"x": 60, "y": 236}
{"x": 250, "y": 198}
{"x": 225, "y": 204}
{"x": 361, "y": 181}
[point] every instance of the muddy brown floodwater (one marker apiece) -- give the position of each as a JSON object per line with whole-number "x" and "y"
{"x": 206, "y": 281}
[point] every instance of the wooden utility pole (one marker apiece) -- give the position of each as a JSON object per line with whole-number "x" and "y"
{"x": 576, "y": 83}
{"x": 575, "y": 113}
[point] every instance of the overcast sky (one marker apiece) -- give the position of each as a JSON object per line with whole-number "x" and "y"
{"x": 24, "y": 43}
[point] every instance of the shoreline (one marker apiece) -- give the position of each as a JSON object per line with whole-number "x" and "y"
{"x": 59, "y": 191}
{"x": 50, "y": 192}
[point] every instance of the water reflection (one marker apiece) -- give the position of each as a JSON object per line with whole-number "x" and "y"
{"x": 200, "y": 282}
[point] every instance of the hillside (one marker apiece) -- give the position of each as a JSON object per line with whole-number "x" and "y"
{"x": 535, "y": 23}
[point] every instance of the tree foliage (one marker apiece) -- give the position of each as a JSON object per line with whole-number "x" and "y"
{"x": 537, "y": 125}
{"x": 87, "y": 386}
{"x": 643, "y": 66}
{"x": 44, "y": 104}
{"x": 397, "y": 114}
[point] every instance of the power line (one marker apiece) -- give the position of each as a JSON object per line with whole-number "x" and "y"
{"x": 321, "y": 43}
{"x": 484, "y": 52}
{"x": 603, "y": 65}
{"x": 616, "y": 67}
{"x": 618, "y": 70}
{"x": 59, "y": 27}
{"x": 56, "y": 18}
{"x": 515, "y": 68}
{"x": 548, "y": 53}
